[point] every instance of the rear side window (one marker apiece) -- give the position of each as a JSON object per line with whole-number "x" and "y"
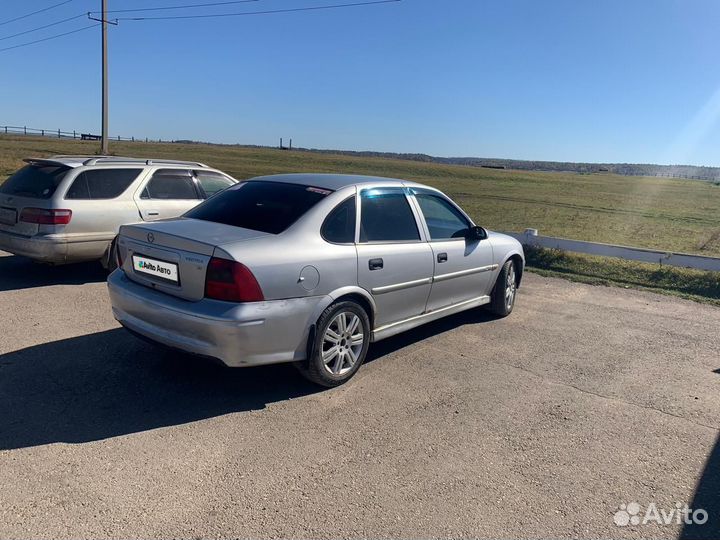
{"x": 211, "y": 183}
{"x": 339, "y": 226}
{"x": 170, "y": 184}
{"x": 36, "y": 181}
{"x": 102, "y": 184}
{"x": 385, "y": 216}
{"x": 261, "y": 206}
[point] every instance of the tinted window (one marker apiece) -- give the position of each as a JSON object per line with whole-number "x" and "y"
{"x": 36, "y": 181}
{"x": 211, "y": 183}
{"x": 170, "y": 184}
{"x": 261, "y": 206}
{"x": 442, "y": 218}
{"x": 386, "y": 217}
{"x": 102, "y": 184}
{"x": 339, "y": 226}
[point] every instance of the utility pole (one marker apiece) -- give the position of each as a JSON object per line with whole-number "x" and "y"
{"x": 104, "y": 143}
{"x": 103, "y": 20}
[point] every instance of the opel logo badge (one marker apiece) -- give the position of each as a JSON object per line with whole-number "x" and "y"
{"x": 151, "y": 237}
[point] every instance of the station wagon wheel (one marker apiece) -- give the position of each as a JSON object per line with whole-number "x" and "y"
{"x": 340, "y": 343}
{"x": 502, "y": 299}
{"x": 112, "y": 256}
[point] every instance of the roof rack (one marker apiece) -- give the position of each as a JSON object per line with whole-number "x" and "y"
{"x": 66, "y": 156}
{"x": 118, "y": 160}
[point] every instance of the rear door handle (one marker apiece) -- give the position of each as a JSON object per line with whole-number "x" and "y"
{"x": 375, "y": 264}
{"x": 442, "y": 257}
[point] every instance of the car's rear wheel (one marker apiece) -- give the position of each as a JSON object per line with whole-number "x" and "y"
{"x": 339, "y": 346}
{"x": 502, "y": 299}
{"x": 111, "y": 260}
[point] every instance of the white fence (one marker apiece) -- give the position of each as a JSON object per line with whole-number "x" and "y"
{"x": 531, "y": 238}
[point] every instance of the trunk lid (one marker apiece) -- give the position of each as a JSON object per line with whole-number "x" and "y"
{"x": 172, "y": 256}
{"x": 32, "y": 186}
{"x": 11, "y": 206}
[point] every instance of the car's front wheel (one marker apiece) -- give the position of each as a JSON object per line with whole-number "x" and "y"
{"x": 502, "y": 299}
{"x": 340, "y": 344}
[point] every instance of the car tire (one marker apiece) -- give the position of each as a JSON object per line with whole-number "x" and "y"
{"x": 339, "y": 345}
{"x": 502, "y": 299}
{"x": 112, "y": 259}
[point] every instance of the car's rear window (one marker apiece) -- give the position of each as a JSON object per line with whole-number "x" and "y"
{"x": 261, "y": 206}
{"x": 37, "y": 181}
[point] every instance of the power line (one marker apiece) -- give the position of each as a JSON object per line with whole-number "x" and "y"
{"x": 36, "y": 12}
{"x": 51, "y": 37}
{"x": 42, "y": 27}
{"x": 268, "y": 12}
{"x": 187, "y": 6}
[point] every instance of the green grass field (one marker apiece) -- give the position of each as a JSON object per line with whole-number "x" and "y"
{"x": 692, "y": 284}
{"x": 660, "y": 213}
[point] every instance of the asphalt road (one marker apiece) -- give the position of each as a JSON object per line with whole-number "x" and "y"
{"x": 540, "y": 424}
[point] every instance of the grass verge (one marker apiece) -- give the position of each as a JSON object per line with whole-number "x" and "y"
{"x": 656, "y": 213}
{"x": 666, "y": 214}
{"x": 698, "y": 285}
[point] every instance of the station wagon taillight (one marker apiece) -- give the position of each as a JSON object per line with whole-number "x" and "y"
{"x": 44, "y": 216}
{"x": 231, "y": 281}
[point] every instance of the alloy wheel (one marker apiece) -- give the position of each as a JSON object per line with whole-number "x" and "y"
{"x": 510, "y": 287}
{"x": 342, "y": 343}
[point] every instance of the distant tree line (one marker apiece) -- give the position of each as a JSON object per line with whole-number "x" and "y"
{"x": 626, "y": 169}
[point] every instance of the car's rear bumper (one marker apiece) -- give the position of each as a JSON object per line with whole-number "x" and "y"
{"x": 54, "y": 249}
{"x": 247, "y": 334}
{"x": 35, "y": 247}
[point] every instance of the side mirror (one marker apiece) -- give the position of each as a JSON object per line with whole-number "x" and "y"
{"x": 476, "y": 233}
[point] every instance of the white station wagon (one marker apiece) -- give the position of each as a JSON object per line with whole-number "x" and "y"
{"x": 66, "y": 209}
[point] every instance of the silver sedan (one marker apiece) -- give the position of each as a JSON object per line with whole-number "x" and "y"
{"x": 308, "y": 268}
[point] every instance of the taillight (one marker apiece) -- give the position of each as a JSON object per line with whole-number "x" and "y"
{"x": 231, "y": 281}
{"x": 44, "y": 216}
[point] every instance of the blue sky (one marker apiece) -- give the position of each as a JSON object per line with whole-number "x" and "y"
{"x": 607, "y": 80}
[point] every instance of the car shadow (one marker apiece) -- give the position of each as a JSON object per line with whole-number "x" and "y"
{"x": 707, "y": 497}
{"x": 440, "y": 326}
{"x": 110, "y": 383}
{"x": 716, "y": 371}
{"x": 22, "y": 273}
